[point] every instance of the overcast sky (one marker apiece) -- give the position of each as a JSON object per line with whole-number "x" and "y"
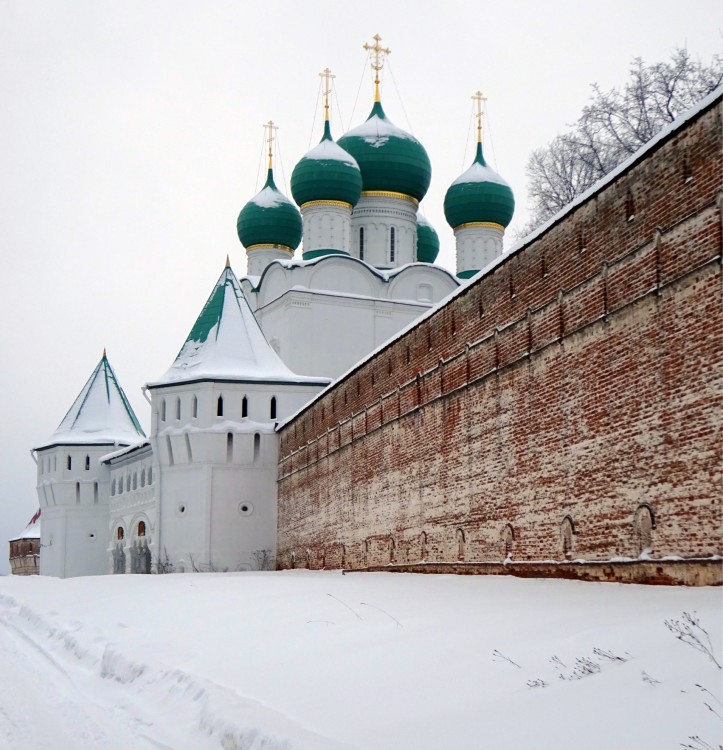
{"x": 131, "y": 136}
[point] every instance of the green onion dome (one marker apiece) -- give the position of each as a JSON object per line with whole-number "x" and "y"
{"x": 326, "y": 173}
{"x": 479, "y": 196}
{"x": 390, "y": 159}
{"x": 269, "y": 219}
{"x": 427, "y": 241}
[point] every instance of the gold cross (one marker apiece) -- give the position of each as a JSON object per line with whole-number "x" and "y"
{"x": 480, "y": 98}
{"x": 378, "y": 54}
{"x": 269, "y": 128}
{"x": 326, "y": 75}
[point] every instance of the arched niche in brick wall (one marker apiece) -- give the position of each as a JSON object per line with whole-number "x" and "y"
{"x": 567, "y": 531}
{"x": 644, "y": 524}
{"x": 508, "y": 540}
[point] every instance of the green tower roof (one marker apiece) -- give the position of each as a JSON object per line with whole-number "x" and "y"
{"x": 326, "y": 173}
{"x": 427, "y": 241}
{"x": 390, "y": 159}
{"x": 479, "y": 195}
{"x": 269, "y": 218}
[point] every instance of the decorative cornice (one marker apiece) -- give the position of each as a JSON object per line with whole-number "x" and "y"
{"x": 389, "y": 194}
{"x": 339, "y": 204}
{"x": 488, "y": 224}
{"x": 265, "y": 246}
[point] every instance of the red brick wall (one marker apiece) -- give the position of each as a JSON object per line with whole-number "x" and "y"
{"x": 582, "y": 377}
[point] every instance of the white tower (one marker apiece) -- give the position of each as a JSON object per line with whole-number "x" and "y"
{"x": 213, "y": 433}
{"x": 73, "y": 486}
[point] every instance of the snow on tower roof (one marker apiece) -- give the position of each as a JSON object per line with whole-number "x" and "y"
{"x": 31, "y": 531}
{"x": 100, "y": 415}
{"x": 226, "y": 343}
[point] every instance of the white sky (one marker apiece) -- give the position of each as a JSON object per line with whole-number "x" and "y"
{"x": 131, "y": 137}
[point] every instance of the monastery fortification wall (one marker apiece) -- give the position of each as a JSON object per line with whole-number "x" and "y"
{"x": 566, "y": 406}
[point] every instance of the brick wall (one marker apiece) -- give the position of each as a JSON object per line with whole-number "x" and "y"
{"x": 567, "y": 405}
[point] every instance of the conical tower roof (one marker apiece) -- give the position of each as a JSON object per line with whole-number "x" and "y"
{"x": 31, "y": 531}
{"x": 226, "y": 343}
{"x": 100, "y": 415}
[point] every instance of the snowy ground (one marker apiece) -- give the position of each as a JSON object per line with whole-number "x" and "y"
{"x": 301, "y": 660}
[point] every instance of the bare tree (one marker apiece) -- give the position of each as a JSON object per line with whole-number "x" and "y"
{"x": 613, "y": 126}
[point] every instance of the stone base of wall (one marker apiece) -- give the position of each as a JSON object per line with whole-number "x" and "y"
{"x": 694, "y": 572}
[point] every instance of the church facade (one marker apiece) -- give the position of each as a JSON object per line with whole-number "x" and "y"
{"x": 440, "y": 421}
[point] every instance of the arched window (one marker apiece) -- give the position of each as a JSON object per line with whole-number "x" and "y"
{"x": 244, "y": 407}
{"x": 87, "y": 463}
{"x": 567, "y": 529}
{"x": 194, "y": 406}
{"x": 644, "y": 525}
{"x": 272, "y": 409}
{"x": 141, "y": 528}
{"x": 392, "y": 245}
{"x": 423, "y": 546}
{"x": 257, "y": 445}
{"x": 70, "y": 463}
{"x": 229, "y": 447}
{"x": 392, "y": 549}
{"x": 178, "y": 408}
{"x": 163, "y": 410}
{"x": 120, "y": 533}
{"x": 219, "y": 407}
{"x": 361, "y": 243}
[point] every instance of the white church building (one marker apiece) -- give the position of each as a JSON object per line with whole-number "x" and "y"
{"x": 199, "y": 493}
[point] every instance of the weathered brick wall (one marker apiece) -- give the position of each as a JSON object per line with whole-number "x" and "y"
{"x": 580, "y": 379}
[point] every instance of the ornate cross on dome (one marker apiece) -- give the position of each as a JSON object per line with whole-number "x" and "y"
{"x": 269, "y": 129}
{"x": 378, "y": 53}
{"x": 327, "y": 75}
{"x": 480, "y": 98}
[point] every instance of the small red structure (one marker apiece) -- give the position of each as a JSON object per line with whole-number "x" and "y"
{"x": 25, "y": 549}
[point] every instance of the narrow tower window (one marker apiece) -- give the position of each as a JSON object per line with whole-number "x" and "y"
{"x": 87, "y": 463}
{"x": 361, "y": 243}
{"x": 77, "y": 492}
{"x": 95, "y": 493}
{"x": 163, "y": 410}
{"x": 194, "y": 407}
{"x": 178, "y": 408}
{"x": 244, "y": 407}
{"x": 229, "y": 447}
{"x": 257, "y": 446}
{"x": 392, "y": 245}
{"x": 219, "y": 407}
{"x": 70, "y": 463}
{"x": 272, "y": 410}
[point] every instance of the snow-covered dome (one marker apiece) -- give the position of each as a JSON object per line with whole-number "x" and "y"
{"x": 427, "y": 241}
{"x": 269, "y": 219}
{"x": 390, "y": 159}
{"x": 326, "y": 173}
{"x": 479, "y": 195}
